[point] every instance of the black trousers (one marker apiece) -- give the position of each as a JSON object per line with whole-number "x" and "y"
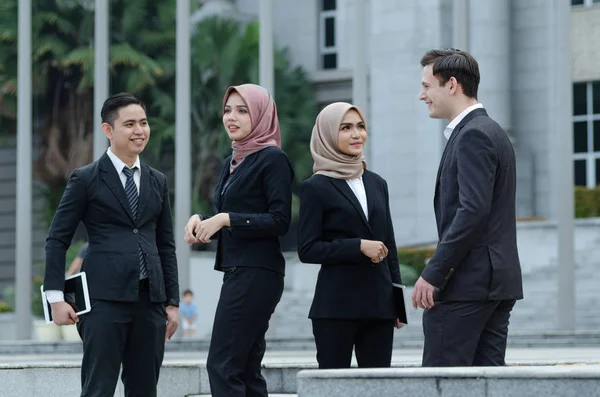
{"x": 372, "y": 341}
{"x": 248, "y": 299}
{"x": 131, "y": 334}
{"x": 464, "y": 334}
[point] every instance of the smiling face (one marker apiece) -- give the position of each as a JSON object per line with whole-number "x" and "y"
{"x": 236, "y": 118}
{"x": 129, "y": 133}
{"x": 352, "y": 134}
{"x": 436, "y": 96}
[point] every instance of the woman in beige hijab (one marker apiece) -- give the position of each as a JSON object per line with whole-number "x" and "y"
{"x": 345, "y": 226}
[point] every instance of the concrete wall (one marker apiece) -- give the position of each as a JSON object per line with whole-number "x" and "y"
{"x": 585, "y": 42}
{"x": 405, "y": 143}
{"x": 532, "y": 84}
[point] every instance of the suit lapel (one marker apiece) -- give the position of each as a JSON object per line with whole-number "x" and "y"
{"x": 112, "y": 180}
{"x": 221, "y": 182}
{"x": 342, "y": 186}
{"x": 144, "y": 190}
{"x": 239, "y": 172}
{"x": 463, "y": 122}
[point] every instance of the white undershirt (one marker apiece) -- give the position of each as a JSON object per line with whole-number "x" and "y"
{"x": 358, "y": 187}
{"x": 58, "y": 296}
{"x": 450, "y": 128}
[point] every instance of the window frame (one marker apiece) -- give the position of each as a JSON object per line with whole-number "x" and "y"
{"x": 324, "y": 50}
{"x": 590, "y": 156}
{"x": 586, "y": 3}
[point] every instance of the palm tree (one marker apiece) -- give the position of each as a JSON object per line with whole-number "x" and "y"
{"x": 224, "y": 54}
{"x": 141, "y": 55}
{"x": 142, "y": 61}
{"x": 63, "y": 70}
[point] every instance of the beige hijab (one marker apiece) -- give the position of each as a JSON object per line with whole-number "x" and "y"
{"x": 328, "y": 158}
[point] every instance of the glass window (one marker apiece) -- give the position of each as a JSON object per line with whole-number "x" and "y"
{"x": 576, "y": 2}
{"x": 328, "y": 5}
{"x": 596, "y": 126}
{"x": 579, "y": 99}
{"x": 580, "y": 137}
{"x": 330, "y": 61}
{"x": 579, "y": 169}
{"x": 596, "y": 95}
{"x": 329, "y": 32}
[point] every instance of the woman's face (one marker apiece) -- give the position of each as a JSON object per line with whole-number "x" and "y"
{"x": 352, "y": 134}
{"x": 236, "y": 117}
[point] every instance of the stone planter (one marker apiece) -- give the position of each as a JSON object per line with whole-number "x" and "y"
{"x": 8, "y": 330}
{"x": 69, "y": 333}
{"x": 46, "y": 332}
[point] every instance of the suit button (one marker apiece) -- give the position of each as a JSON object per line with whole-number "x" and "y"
{"x": 135, "y": 231}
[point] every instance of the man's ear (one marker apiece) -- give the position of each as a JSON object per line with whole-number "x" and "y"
{"x": 453, "y": 85}
{"x": 108, "y": 130}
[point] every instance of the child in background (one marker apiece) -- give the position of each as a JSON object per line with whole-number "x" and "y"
{"x": 189, "y": 314}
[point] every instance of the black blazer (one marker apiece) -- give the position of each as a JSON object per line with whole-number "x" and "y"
{"x": 258, "y": 199}
{"x": 95, "y": 195}
{"x": 330, "y": 228}
{"x": 476, "y": 257}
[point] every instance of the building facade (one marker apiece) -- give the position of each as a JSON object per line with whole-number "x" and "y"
{"x": 515, "y": 44}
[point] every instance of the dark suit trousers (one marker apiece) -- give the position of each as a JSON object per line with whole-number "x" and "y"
{"x": 371, "y": 339}
{"x": 248, "y": 299}
{"x": 127, "y": 333}
{"x": 464, "y": 334}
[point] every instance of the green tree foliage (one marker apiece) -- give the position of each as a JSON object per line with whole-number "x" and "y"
{"x": 142, "y": 61}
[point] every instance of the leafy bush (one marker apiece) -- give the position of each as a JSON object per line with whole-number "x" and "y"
{"x": 5, "y": 307}
{"x": 409, "y": 275}
{"x": 415, "y": 257}
{"x": 587, "y": 202}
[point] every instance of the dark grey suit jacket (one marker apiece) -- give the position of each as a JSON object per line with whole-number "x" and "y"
{"x": 476, "y": 257}
{"x": 95, "y": 195}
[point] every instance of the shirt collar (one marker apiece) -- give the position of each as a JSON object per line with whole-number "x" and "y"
{"x": 450, "y": 128}
{"x": 120, "y": 164}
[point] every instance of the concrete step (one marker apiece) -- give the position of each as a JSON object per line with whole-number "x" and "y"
{"x": 270, "y": 395}
{"x": 531, "y": 381}
{"x": 401, "y": 341}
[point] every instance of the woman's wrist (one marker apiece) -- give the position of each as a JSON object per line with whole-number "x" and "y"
{"x": 225, "y": 221}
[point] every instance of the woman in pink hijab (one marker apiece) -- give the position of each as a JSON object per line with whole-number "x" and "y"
{"x": 253, "y": 199}
{"x": 345, "y": 226}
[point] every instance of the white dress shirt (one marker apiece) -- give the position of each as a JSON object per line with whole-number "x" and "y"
{"x": 358, "y": 187}
{"x": 450, "y": 128}
{"x": 58, "y": 296}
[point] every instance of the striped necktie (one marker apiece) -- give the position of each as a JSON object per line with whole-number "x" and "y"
{"x": 132, "y": 197}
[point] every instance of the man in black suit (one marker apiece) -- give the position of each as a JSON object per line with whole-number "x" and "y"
{"x": 471, "y": 283}
{"x": 130, "y": 264}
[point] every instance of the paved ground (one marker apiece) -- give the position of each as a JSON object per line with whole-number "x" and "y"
{"x": 400, "y": 356}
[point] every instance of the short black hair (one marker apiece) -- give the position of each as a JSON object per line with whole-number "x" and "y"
{"x": 110, "y": 108}
{"x": 451, "y": 62}
{"x": 188, "y": 291}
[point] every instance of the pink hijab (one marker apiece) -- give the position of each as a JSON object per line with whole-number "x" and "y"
{"x": 263, "y": 116}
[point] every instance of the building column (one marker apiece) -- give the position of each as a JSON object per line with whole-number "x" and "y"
{"x": 460, "y": 24}
{"x": 360, "y": 69}
{"x": 183, "y": 143}
{"x": 101, "y": 80}
{"x": 266, "y": 64}
{"x": 23, "y": 246}
{"x": 558, "y": 13}
{"x": 489, "y": 43}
